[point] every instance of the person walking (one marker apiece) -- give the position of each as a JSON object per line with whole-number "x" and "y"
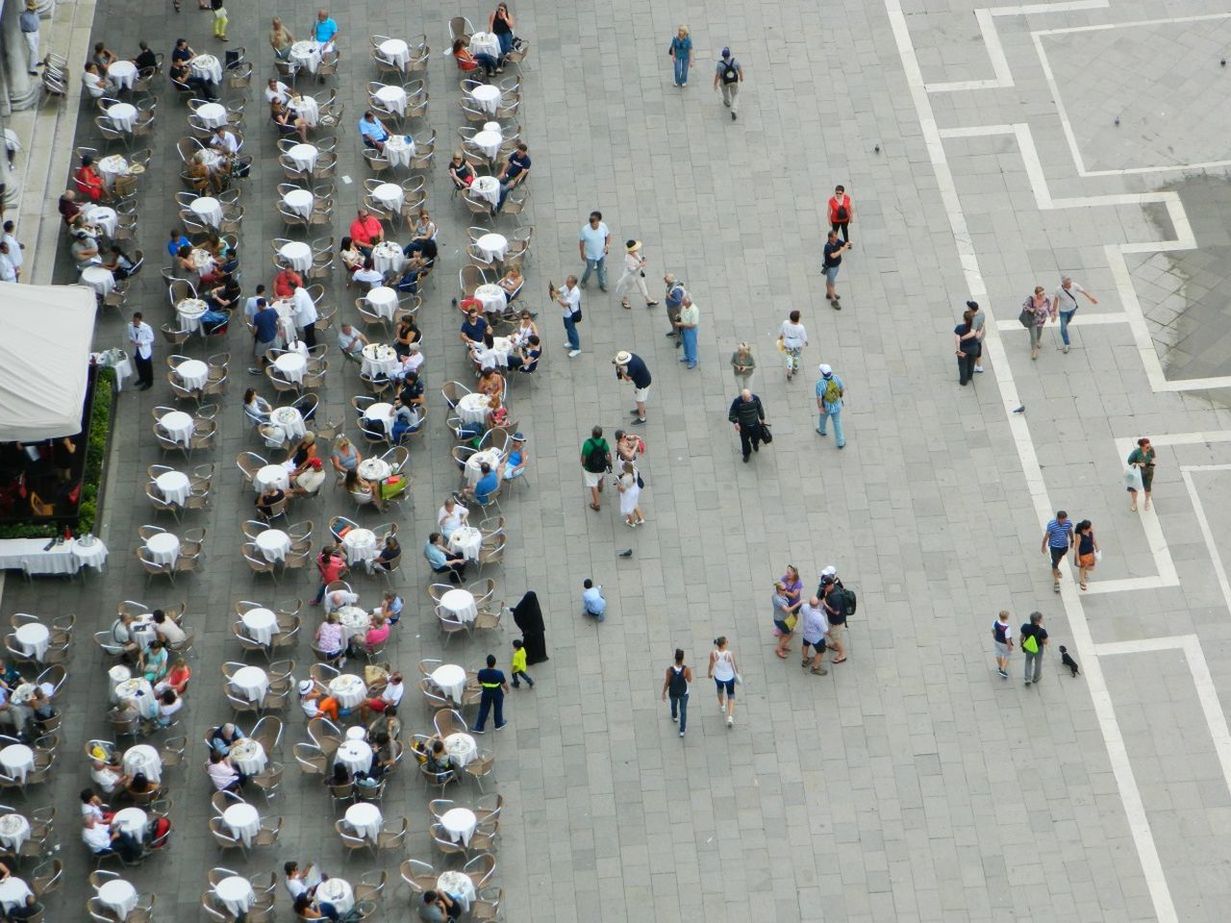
{"x": 629, "y": 486}
{"x": 674, "y": 299}
{"x": 829, "y": 394}
{"x": 1034, "y": 640}
{"x": 966, "y": 347}
{"x": 743, "y": 364}
{"x": 1065, "y": 301}
{"x": 792, "y": 338}
{"x": 730, "y": 74}
{"x": 725, "y": 674}
{"x": 595, "y": 462}
{"x": 680, "y": 51}
{"x": 690, "y": 317}
{"x": 569, "y": 300}
{"x": 631, "y": 367}
{"x": 594, "y": 243}
{"x": 29, "y": 24}
{"x": 517, "y": 666}
{"x": 979, "y": 324}
{"x": 831, "y": 260}
{"x": 634, "y": 275}
{"x": 16, "y": 256}
{"x": 220, "y": 19}
{"x": 841, "y": 212}
{"x": 494, "y": 687}
{"x": 1037, "y": 309}
{"x": 1141, "y": 460}
{"x": 748, "y": 415}
{"x": 141, "y": 338}
{"x": 676, "y": 684}
{"x": 1085, "y": 550}
{"x": 1002, "y": 639}
{"x": 1056, "y": 540}
{"x": 528, "y": 617}
{"x": 814, "y": 627}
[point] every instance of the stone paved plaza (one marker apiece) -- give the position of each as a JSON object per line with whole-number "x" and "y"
{"x": 911, "y": 783}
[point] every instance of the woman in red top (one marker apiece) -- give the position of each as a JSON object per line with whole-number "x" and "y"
{"x": 468, "y": 62}
{"x": 286, "y": 281}
{"x": 841, "y": 212}
{"x": 88, "y": 182}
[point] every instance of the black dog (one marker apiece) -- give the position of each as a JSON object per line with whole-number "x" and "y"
{"x": 1068, "y": 661}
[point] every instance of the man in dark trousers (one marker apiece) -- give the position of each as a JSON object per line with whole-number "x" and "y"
{"x": 1034, "y": 640}
{"x": 494, "y": 687}
{"x": 749, "y": 418}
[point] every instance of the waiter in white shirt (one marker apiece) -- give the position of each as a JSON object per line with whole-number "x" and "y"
{"x": 8, "y": 272}
{"x": 141, "y": 338}
{"x": 16, "y": 257}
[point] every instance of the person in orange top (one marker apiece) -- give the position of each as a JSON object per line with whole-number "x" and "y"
{"x": 286, "y": 281}
{"x": 176, "y": 679}
{"x": 841, "y": 212}
{"x": 366, "y": 231}
{"x": 467, "y": 62}
{"x": 87, "y": 180}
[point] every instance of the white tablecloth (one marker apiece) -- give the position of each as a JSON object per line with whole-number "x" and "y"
{"x": 462, "y": 749}
{"x": 212, "y": 115}
{"x": 118, "y": 895}
{"x": 274, "y": 544}
{"x": 494, "y": 298}
{"x": 307, "y": 108}
{"x": 459, "y": 823}
{"x": 360, "y": 545}
{"x": 358, "y": 732}
{"x": 467, "y": 540}
{"x": 364, "y": 818}
{"x": 235, "y": 894}
{"x": 102, "y": 217}
{"x": 131, "y": 821}
{"x": 292, "y": 366}
{"x": 375, "y": 469}
{"x": 392, "y": 98}
{"x": 459, "y": 885}
{"x": 271, "y": 476}
{"x": 163, "y": 547}
{"x": 485, "y": 43}
{"x": 486, "y": 96}
{"x": 174, "y": 487}
{"x": 297, "y": 255}
{"x": 355, "y": 755}
{"x": 387, "y": 257}
{"x": 208, "y": 209}
{"x": 244, "y": 822}
{"x": 336, "y": 891}
{"x": 487, "y": 188}
{"x": 260, "y": 624}
{"x": 122, "y": 116}
{"x": 140, "y": 693}
{"x": 390, "y": 196}
{"x": 473, "y": 407}
{"x": 13, "y": 892}
{"x": 306, "y": 54}
{"x": 211, "y": 158}
{"x": 110, "y": 167}
{"x": 290, "y": 421}
{"x": 349, "y": 690}
{"x": 493, "y": 457}
{"x": 207, "y": 67}
{"x": 397, "y": 51}
{"x": 488, "y": 142}
{"x": 122, "y": 73}
{"x": 144, "y": 759}
{"x": 384, "y": 301}
{"x": 399, "y": 151}
{"x": 493, "y": 246}
{"x": 303, "y": 156}
{"x": 33, "y": 638}
{"x": 299, "y": 202}
{"x": 190, "y": 311}
{"x": 251, "y": 682}
{"x": 355, "y": 620}
{"x": 380, "y": 412}
{"x": 450, "y": 679}
{"x": 202, "y": 260}
{"x": 497, "y": 356}
{"x": 14, "y": 830}
{"x": 193, "y": 373}
{"x": 248, "y": 756}
{"x": 379, "y": 359}
{"x": 99, "y": 278}
{"x": 460, "y": 604}
{"x": 178, "y": 425}
{"x": 27, "y": 554}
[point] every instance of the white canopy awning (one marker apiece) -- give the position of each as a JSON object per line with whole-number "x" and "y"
{"x": 45, "y": 336}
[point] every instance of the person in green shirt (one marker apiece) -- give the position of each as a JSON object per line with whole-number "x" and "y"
{"x": 743, "y": 363}
{"x": 1142, "y": 458}
{"x": 595, "y": 462}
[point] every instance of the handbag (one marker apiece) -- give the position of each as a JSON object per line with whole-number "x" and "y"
{"x": 576, "y": 318}
{"x": 766, "y": 436}
{"x": 791, "y": 621}
{"x": 739, "y": 680}
{"x": 781, "y": 345}
{"x": 1026, "y": 318}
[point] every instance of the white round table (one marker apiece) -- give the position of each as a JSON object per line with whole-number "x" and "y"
{"x": 260, "y": 624}
{"x": 99, "y": 278}
{"x": 190, "y": 311}
{"x": 271, "y": 476}
{"x": 142, "y": 629}
{"x": 140, "y": 693}
{"x": 299, "y": 202}
{"x": 336, "y": 891}
{"x": 379, "y": 359}
{"x": 392, "y": 98}
{"x": 111, "y": 166}
{"x": 355, "y": 755}
{"x": 467, "y": 540}
{"x": 122, "y": 116}
{"x": 13, "y": 893}
{"x": 459, "y": 823}
{"x": 460, "y": 604}
{"x": 399, "y": 150}
{"x": 122, "y": 73}
{"x": 493, "y": 457}
{"x": 485, "y": 43}
{"x": 486, "y": 96}
{"x": 164, "y": 547}
{"x": 307, "y": 55}
{"x": 131, "y": 821}
{"x": 178, "y": 425}
{"x": 207, "y": 67}
{"x": 364, "y": 818}
{"x": 115, "y": 676}
{"x": 462, "y": 749}
{"x": 488, "y": 142}
{"x": 174, "y": 487}
{"x": 495, "y": 300}
{"x": 292, "y": 366}
{"x": 487, "y": 188}
{"x": 14, "y": 830}
{"x": 251, "y": 682}
{"x": 33, "y": 638}
{"x": 348, "y": 689}
{"x": 493, "y": 246}
{"x": 144, "y": 759}
{"x": 193, "y": 373}
{"x": 202, "y": 260}
{"x": 358, "y": 732}
{"x": 297, "y": 255}
{"x": 248, "y": 756}
{"x": 459, "y": 885}
{"x": 390, "y": 196}
{"x": 102, "y": 217}
{"x": 290, "y": 421}
{"x": 397, "y": 51}
{"x": 450, "y": 679}
{"x": 380, "y": 412}
{"x": 307, "y": 109}
{"x": 212, "y": 115}
{"x": 303, "y": 156}
{"x": 375, "y": 469}
{"x": 384, "y": 301}
{"x": 119, "y": 896}
{"x": 360, "y": 545}
{"x": 244, "y": 822}
{"x": 355, "y": 620}
{"x": 235, "y": 894}
{"x": 387, "y": 257}
{"x": 274, "y": 545}
{"x": 207, "y": 209}
{"x": 473, "y": 407}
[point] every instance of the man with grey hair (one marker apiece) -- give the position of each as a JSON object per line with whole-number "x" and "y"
{"x": 749, "y": 418}
{"x": 1065, "y": 301}
{"x": 674, "y": 299}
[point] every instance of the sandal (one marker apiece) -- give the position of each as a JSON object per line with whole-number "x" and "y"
{"x": 595, "y": 507}
{"x": 626, "y": 306}
{"x": 781, "y": 654}
{"x": 819, "y": 671}
{"x": 832, "y": 662}
{"x": 1082, "y": 585}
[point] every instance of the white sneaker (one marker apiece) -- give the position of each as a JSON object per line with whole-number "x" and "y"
{"x": 978, "y": 368}
{"x": 572, "y": 353}
{"x": 681, "y": 733}
{"x": 722, "y": 707}
{"x": 674, "y": 719}
{"x": 730, "y": 721}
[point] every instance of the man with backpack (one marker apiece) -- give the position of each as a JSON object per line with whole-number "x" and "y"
{"x": 839, "y": 605}
{"x": 829, "y": 393}
{"x": 1034, "y": 639}
{"x": 595, "y": 463}
{"x": 676, "y": 685}
{"x": 730, "y": 74}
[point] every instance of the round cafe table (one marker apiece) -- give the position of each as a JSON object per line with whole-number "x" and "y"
{"x": 290, "y": 421}
{"x": 144, "y": 759}
{"x": 13, "y": 893}
{"x": 459, "y": 885}
{"x": 307, "y": 55}
{"x": 207, "y": 209}
{"x": 364, "y": 818}
{"x": 260, "y": 624}
{"x": 110, "y": 167}
{"x": 193, "y": 373}
{"x": 102, "y": 217}
{"x": 131, "y": 821}
{"x": 348, "y": 689}
{"x": 384, "y": 301}
{"x": 493, "y": 458}
{"x": 207, "y": 67}
{"x": 387, "y": 257}
{"x": 337, "y": 891}
{"x": 174, "y": 487}
{"x": 138, "y": 691}
{"x": 374, "y": 469}
{"x": 115, "y": 676}
{"x": 274, "y": 545}
{"x": 99, "y": 278}
{"x": 397, "y": 51}
{"x": 296, "y": 254}
{"x": 380, "y": 359}
{"x": 306, "y": 108}
{"x": 271, "y": 476}
{"x": 467, "y": 540}
{"x": 461, "y": 748}
{"x": 493, "y": 246}
{"x": 17, "y": 760}
{"x": 190, "y": 311}
{"x": 450, "y": 679}
{"x": 360, "y": 545}
{"x": 459, "y": 823}
{"x": 487, "y": 188}
{"x": 299, "y": 202}
{"x": 358, "y": 732}
{"x": 122, "y": 73}
{"x": 212, "y": 115}
{"x": 122, "y": 116}
{"x": 473, "y": 407}
{"x": 460, "y": 604}
{"x": 380, "y": 412}
{"x": 248, "y": 756}
{"x": 399, "y": 150}
{"x": 392, "y": 97}
{"x": 303, "y": 155}
{"x": 355, "y": 755}
{"x": 486, "y": 96}
{"x": 485, "y": 43}
{"x": 202, "y": 260}
{"x": 355, "y": 619}
{"x": 178, "y": 425}
{"x": 14, "y": 830}
{"x": 251, "y": 682}
{"x": 488, "y": 142}
{"x": 390, "y": 196}
{"x": 292, "y": 367}
{"x": 244, "y": 822}
{"x": 119, "y": 896}
{"x": 33, "y": 638}
{"x": 164, "y": 547}
{"x": 495, "y": 299}
{"x": 235, "y": 894}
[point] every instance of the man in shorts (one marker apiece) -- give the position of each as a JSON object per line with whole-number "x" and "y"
{"x": 1002, "y": 638}
{"x": 631, "y": 367}
{"x": 830, "y": 262}
{"x": 595, "y": 463}
{"x": 814, "y": 627}
{"x": 1057, "y": 538}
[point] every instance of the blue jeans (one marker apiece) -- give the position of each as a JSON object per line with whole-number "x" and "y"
{"x": 688, "y": 336}
{"x": 836, "y": 415}
{"x": 570, "y": 329}
{"x": 1066, "y": 317}
{"x": 681, "y": 70}
{"x": 679, "y": 705}
{"x": 506, "y": 43}
{"x": 489, "y": 701}
{"x": 597, "y": 616}
{"x": 599, "y": 266}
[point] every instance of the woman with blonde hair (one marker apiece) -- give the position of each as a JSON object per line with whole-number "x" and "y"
{"x": 680, "y": 52}
{"x": 281, "y": 39}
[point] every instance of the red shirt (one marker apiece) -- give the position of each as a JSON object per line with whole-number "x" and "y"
{"x": 90, "y": 183}
{"x": 286, "y": 282}
{"x": 331, "y": 569}
{"x": 834, "y": 202}
{"x": 365, "y": 231}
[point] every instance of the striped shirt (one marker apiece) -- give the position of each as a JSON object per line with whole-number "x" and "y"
{"x": 1059, "y": 534}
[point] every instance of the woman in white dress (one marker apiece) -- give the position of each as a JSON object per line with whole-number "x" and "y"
{"x": 634, "y": 274}
{"x": 630, "y": 496}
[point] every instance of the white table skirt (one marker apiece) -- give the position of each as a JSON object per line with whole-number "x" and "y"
{"x": 274, "y": 545}
{"x": 467, "y": 540}
{"x": 360, "y": 545}
{"x": 379, "y": 359}
{"x": 110, "y": 167}
{"x": 193, "y": 374}
{"x": 336, "y": 891}
{"x": 349, "y": 690}
{"x": 131, "y": 821}
{"x": 307, "y": 55}
{"x": 122, "y": 73}
{"x": 13, "y": 893}
{"x": 163, "y": 548}
{"x": 119, "y": 895}
{"x": 364, "y": 818}
{"x": 290, "y": 421}
{"x": 485, "y": 43}
{"x": 462, "y": 749}
{"x": 450, "y": 679}
{"x": 14, "y": 830}
{"x": 459, "y": 823}
{"x": 473, "y": 407}
{"x": 271, "y": 476}
{"x": 99, "y": 278}
{"x": 397, "y": 51}
{"x": 208, "y": 209}
{"x": 140, "y": 693}
{"x": 493, "y": 246}
{"x": 212, "y": 115}
{"x": 307, "y": 109}
{"x": 387, "y": 257}
{"x": 33, "y": 638}
{"x": 251, "y": 682}
{"x": 486, "y": 97}
{"x": 235, "y": 894}
{"x": 102, "y": 217}
{"x": 392, "y": 98}
{"x": 190, "y": 311}
{"x": 399, "y": 151}
{"x": 488, "y": 142}
{"x": 459, "y": 885}
{"x": 260, "y": 624}
{"x": 487, "y": 188}
{"x": 384, "y": 301}
{"x": 355, "y": 755}
{"x": 292, "y": 366}
{"x": 303, "y": 156}
{"x": 122, "y": 116}
{"x": 244, "y": 822}
{"x": 27, "y": 555}
{"x": 390, "y": 196}
{"x": 460, "y": 604}
{"x": 355, "y": 619}
{"x": 494, "y": 298}
{"x": 144, "y": 759}
{"x": 207, "y": 66}
{"x": 297, "y": 255}
{"x": 178, "y": 425}
{"x": 375, "y": 469}
{"x": 299, "y": 202}
{"x": 493, "y": 457}
{"x": 248, "y": 756}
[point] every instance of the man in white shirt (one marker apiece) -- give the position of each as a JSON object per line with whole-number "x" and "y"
{"x": 16, "y": 257}
{"x": 254, "y": 303}
{"x": 390, "y": 695}
{"x": 569, "y": 299}
{"x": 351, "y": 342}
{"x": 278, "y": 90}
{"x": 8, "y": 272}
{"x": 814, "y": 626}
{"x": 1065, "y": 301}
{"x": 224, "y": 140}
{"x": 369, "y": 275}
{"x": 141, "y": 338}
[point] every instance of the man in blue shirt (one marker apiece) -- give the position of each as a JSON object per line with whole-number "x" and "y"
{"x": 494, "y": 686}
{"x": 1056, "y": 539}
{"x": 178, "y": 239}
{"x": 324, "y": 30}
{"x": 594, "y": 242}
{"x": 264, "y": 329}
{"x": 513, "y": 174}
{"x": 674, "y": 301}
{"x": 488, "y": 484}
{"x": 829, "y": 392}
{"x": 473, "y": 328}
{"x": 592, "y": 602}
{"x": 373, "y": 130}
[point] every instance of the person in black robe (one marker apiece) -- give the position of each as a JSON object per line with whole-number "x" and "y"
{"x": 529, "y": 618}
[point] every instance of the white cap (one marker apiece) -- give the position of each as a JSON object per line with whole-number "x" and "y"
{"x": 829, "y": 571}
{"x": 824, "y": 370}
